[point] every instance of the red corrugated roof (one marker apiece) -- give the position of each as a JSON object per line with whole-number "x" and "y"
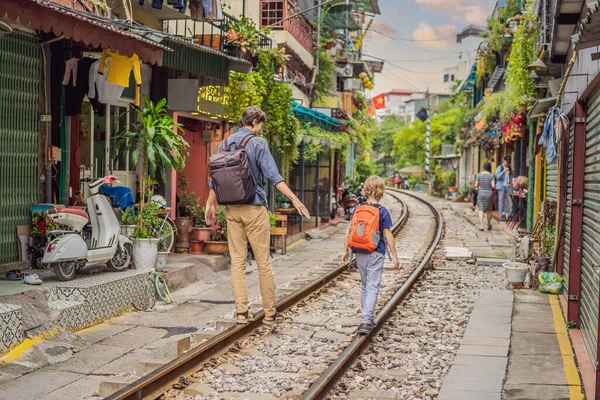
{"x": 82, "y": 27}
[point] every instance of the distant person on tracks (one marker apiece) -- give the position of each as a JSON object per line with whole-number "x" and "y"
{"x": 503, "y": 183}
{"x": 485, "y": 184}
{"x": 238, "y": 171}
{"x": 368, "y": 234}
{"x": 398, "y": 181}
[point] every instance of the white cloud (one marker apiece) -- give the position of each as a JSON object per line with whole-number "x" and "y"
{"x": 469, "y": 11}
{"x": 440, "y": 37}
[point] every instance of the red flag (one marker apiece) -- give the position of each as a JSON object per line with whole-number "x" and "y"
{"x": 379, "y": 101}
{"x": 371, "y": 110}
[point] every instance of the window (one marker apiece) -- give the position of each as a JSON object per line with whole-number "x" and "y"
{"x": 446, "y": 78}
{"x": 271, "y": 12}
{"x": 452, "y": 78}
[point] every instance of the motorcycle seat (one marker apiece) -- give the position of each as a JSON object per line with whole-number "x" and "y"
{"x": 73, "y": 211}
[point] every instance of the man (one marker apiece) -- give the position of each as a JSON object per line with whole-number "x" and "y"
{"x": 250, "y": 222}
{"x": 503, "y": 184}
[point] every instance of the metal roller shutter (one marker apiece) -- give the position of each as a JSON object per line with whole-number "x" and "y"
{"x": 552, "y": 181}
{"x": 20, "y": 78}
{"x": 590, "y": 251}
{"x": 567, "y": 244}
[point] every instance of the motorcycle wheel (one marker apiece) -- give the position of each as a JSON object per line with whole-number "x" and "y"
{"x": 121, "y": 260}
{"x": 65, "y": 271}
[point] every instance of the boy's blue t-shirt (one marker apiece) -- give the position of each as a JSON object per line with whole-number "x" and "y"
{"x": 385, "y": 221}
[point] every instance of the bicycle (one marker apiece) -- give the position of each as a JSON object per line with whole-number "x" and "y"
{"x": 165, "y": 232}
{"x": 156, "y": 286}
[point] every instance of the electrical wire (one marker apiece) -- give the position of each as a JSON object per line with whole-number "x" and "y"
{"x": 417, "y": 40}
{"x": 410, "y": 45}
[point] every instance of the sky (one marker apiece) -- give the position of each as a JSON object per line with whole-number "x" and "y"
{"x": 417, "y": 40}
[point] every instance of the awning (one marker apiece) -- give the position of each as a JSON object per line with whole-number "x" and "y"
{"x": 586, "y": 32}
{"x": 82, "y": 27}
{"x": 201, "y": 60}
{"x": 309, "y": 116}
{"x": 340, "y": 17}
{"x": 370, "y": 6}
{"x": 415, "y": 169}
{"x": 446, "y": 157}
{"x": 541, "y": 107}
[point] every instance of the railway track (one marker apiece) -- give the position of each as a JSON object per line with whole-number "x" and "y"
{"x": 317, "y": 339}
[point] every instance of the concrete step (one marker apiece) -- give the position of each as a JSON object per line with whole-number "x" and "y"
{"x": 179, "y": 275}
{"x": 71, "y": 314}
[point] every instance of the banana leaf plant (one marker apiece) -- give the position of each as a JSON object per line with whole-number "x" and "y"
{"x": 153, "y": 140}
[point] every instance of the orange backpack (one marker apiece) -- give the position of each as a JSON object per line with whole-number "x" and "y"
{"x": 364, "y": 229}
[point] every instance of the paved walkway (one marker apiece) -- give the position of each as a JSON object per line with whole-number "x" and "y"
{"x": 516, "y": 346}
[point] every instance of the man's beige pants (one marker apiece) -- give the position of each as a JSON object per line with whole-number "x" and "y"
{"x": 250, "y": 223}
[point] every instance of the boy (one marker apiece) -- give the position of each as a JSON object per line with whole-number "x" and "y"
{"x": 370, "y": 256}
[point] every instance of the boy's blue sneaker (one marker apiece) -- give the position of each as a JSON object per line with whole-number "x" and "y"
{"x": 364, "y": 329}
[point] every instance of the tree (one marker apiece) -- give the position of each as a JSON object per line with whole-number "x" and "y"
{"x": 383, "y": 142}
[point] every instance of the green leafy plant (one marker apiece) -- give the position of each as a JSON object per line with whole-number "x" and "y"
{"x": 188, "y": 203}
{"x": 244, "y": 90}
{"x": 520, "y": 87}
{"x": 199, "y": 217}
{"x": 154, "y": 141}
{"x": 324, "y": 81}
{"x": 220, "y": 234}
{"x": 571, "y": 324}
{"x": 272, "y": 220}
{"x": 243, "y": 33}
{"x": 128, "y": 217}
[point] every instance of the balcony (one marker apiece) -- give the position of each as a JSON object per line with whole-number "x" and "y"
{"x": 295, "y": 33}
{"x": 211, "y": 34}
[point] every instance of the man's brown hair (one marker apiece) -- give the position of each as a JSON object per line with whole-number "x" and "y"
{"x": 251, "y": 116}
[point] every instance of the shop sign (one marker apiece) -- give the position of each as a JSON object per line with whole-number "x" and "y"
{"x": 188, "y": 95}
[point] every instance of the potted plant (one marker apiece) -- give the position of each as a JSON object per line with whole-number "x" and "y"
{"x": 242, "y": 36}
{"x": 200, "y": 232}
{"x": 284, "y": 202}
{"x": 144, "y": 236}
{"x": 274, "y": 228}
{"x": 127, "y": 222}
{"x": 187, "y": 204}
{"x": 218, "y": 244}
{"x": 154, "y": 142}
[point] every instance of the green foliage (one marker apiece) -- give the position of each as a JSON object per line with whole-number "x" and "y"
{"x": 243, "y": 33}
{"x": 324, "y": 81}
{"x": 272, "y": 220}
{"x": 464, "y": 192}
{"x": 199, "y": 217}
{"x": 520, "y": 87}
{"x": 497, "y": 107}
{"x": 332, "y": 139}
{"x": 548, "y": 237}
{"x": 383, "y": 142}
{"x": 443, "y": 180}
{"x": 220, "y": 234}
{"x": 188, "y": 203}
{"x": 244, "y": 90}
{"x": 416, "y": 179}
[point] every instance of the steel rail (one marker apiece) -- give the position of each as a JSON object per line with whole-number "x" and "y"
{"x": 320, "y": 388}
{"x": 162, "y": 379}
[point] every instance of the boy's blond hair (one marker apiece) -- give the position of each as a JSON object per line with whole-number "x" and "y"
{"x": 374, "y": 187}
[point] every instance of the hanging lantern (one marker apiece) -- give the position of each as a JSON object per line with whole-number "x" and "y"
{"x": 362, "y": 75}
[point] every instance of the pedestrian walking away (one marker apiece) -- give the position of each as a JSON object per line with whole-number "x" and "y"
{"x": 368, "y": 234}
{"x": 397, "y": 181}
{"x": 485, "y": 184}
{"x": 238, "y": 171}
{"x": 503, "y": 180}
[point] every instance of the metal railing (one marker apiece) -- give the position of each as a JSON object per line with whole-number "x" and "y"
{"x": 209, "y": 33}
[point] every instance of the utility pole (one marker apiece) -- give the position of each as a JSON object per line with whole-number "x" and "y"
{"x": 424, "y": 115}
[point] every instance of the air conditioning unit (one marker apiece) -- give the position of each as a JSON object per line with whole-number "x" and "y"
{"x": 352, "y": 84}
{"x": 345, "y": 71}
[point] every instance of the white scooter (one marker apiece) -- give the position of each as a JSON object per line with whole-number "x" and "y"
{"x": 70, "y": 251}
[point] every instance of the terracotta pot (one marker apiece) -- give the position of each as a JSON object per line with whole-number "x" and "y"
{"x": 216, "y": 248}
{"x": 196, "y": 247}
{"x": 201, "y": 234}
{"x": 184, "y": 227}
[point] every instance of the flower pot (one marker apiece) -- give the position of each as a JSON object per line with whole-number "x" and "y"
{"x": 515, "y": 272}
{"x": 127, "y": 230}
{"x": 284, "y": 204}
{"x": 196, "y": 247}
{"x": 201, "y": 234}
{"x": 215, "y": 248}
{"x": 161, "y": 259}
{"x": 233, "y": 50}
{"x": 145, "y": 253}
{"x": 184, "y": 227}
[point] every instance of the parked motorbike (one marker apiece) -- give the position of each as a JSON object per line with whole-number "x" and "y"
{"x": 349, "y": 201}
{"x": 91, "y": 239}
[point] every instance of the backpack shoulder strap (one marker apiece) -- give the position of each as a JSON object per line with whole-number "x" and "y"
{"x": 246, "y": 140}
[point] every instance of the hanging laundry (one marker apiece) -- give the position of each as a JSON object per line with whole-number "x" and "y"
{"x": 105, "y": 92}
{"x": 196, "y": 10}
{"x": 548, "y": 137}
{"x": 71, "y": 71}
{"x": 120, "y": 70}
{"x": 74, "y": 95}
